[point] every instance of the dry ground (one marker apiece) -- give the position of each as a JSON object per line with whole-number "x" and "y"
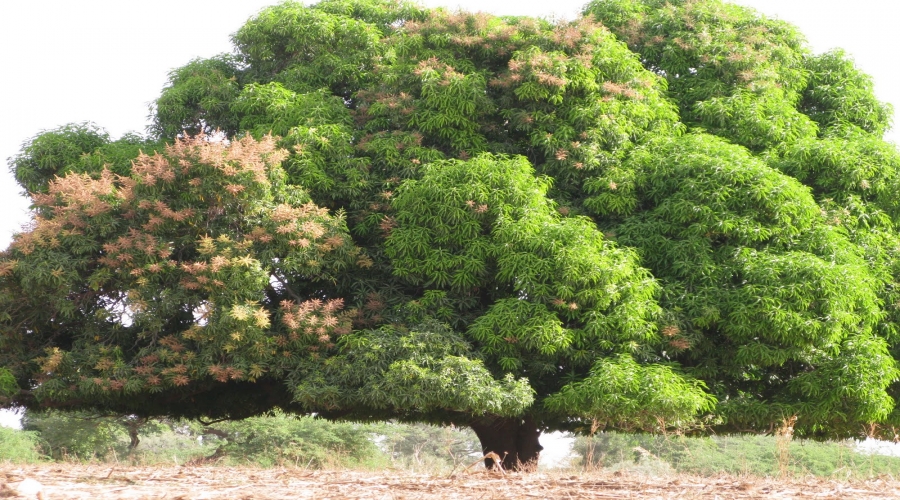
{"x": 102, "y": 482}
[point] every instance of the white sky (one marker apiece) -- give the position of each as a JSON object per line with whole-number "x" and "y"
{"x": 104, "y": 60}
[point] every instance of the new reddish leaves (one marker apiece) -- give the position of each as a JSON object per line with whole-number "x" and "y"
{"x": 182, "y": 273}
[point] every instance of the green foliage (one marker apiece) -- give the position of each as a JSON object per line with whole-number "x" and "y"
{"x": 428, "y": 447}
{"x": 733, "y": 72}
{"x": 318, "y": 127}
{"x": 197, "y": 98}
{"x": 176, "y": 267}
{"x": 839, "y": 93}
{"x": 308, "y": 48}
{"x": 17, "y": 446}
{"x": 176, "y": 443}
{"x": 265, "y": 441}
{"x": 737, "y": 455}
{"x": 74, "y": 148}
{"x": 309, "y": 442}
{"x": 662, "y": 214}
{"x": 420, "y": 371}
{"x": 8, "y": 386}
{"x": 620, "y": 393}
{"x": 76, "y": 436}
{"x": 757, "y": 281}
{"x": 847, "y": 166}
{"x": 50, "y": 153}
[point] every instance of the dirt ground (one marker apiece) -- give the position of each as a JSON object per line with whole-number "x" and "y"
{"x": 99, "y": 482}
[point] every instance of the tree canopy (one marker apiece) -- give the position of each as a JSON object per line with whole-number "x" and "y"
{"x": 663, "y": 215}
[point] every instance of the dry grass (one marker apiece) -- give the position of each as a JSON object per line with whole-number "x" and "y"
{"x": 101, "y": 482}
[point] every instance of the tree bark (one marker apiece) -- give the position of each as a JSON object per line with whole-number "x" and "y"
{"x": 514, "y": 440}
{"x": 134, "y": 426}
{"x": 135, "y": 439}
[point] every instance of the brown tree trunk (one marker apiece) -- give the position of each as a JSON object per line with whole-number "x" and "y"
{"x": 134, "y": 426}
{"x": 135, "y": 439}
{"x": 514, "y": 440}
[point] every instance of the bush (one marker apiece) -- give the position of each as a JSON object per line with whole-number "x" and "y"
{"x": 428, "y": 447}
{"x": 177, "y": 444}
{"x": 754, "y": 455}
{"x": 78, "y": 436}
{"x": 18, "y": 446}
{"x": 300, "y": 441}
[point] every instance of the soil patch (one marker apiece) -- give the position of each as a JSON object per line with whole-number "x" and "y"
{"x": 101, "y": 482}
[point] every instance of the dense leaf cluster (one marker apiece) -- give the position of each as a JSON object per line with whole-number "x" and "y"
{"x": 661, "y": 214}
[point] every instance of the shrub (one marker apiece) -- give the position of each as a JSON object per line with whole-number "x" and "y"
{"x": 18, "y": 446}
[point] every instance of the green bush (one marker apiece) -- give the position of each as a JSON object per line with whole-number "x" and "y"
{"x": 301, "y": 441}
{"x": 753, "y": 454}
{"x": 18, "y": 446}
{"x": 176, "y": 444}
{"x": 77, "y": 436}
{"x": 427, "y": 447}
